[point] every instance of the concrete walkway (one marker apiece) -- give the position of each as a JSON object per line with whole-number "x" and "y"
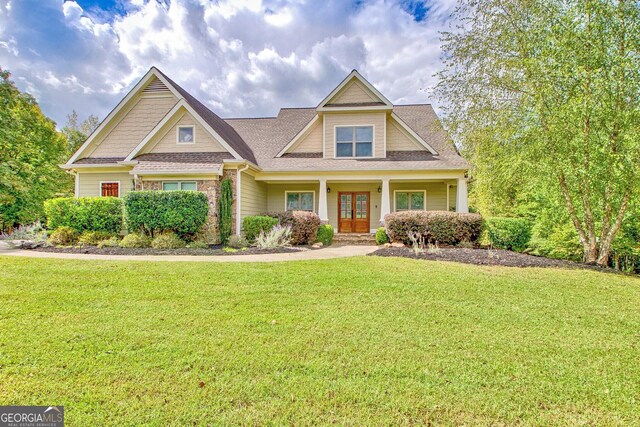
{"x": 324, "y": 253}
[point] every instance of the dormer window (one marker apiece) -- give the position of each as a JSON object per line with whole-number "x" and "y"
{"x": 186, "y": 135}
{"x": 354, "y": 141}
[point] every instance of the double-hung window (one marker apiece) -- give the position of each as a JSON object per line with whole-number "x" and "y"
{"x": 354, "y": 141}
{"x": 410, "y": 200}
{"x": 299, "y": 200}
{"x": 179, "y": 185}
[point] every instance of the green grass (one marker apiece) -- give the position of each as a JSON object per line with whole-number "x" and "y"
{"x": 361, "y": 341}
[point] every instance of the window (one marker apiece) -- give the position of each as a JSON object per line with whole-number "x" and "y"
{"x": 354, "y": 141}
{"x": 300, "y": 201}
{"x": 410, "y": 200}
{"x": 186, "y": 135}
{"x": 179, "y": 185}
{"x": 110, "y": 189}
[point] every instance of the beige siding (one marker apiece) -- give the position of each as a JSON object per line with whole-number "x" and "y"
{"x": 398, "y": 140}
{"x": 354, "y": 92}
{"x": 276, "y": 195}
{"x": 89, "y": 183}
{"x": 436, "y": 193}
{"x": 312, "y": 142}
{"x": 204, "y": 142}
{"x": 332, "y": 201}
{"x": 253, "y": 196}
{"x": 134, "y": 126}
{"x": 378, "y": 120}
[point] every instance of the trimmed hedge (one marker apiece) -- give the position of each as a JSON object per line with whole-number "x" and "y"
{"x": 135, "y": 240}
{"x": 85, "y": 214}
{"x": 304, "y": 225}
{"x": 325, "y": 234}
{"x": 509, "y": 233}
{"x": 441, "y": 227}
{"x": 157, "y": 212}
{"x": 253, "y": 225}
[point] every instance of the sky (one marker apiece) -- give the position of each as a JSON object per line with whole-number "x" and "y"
{"x": 243, "y": 58}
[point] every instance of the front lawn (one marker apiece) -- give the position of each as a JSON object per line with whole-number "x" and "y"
{"x": 361, "y": 341}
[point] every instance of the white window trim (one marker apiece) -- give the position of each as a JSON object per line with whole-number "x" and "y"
{"x": 193, "y": 128}
{"x": 108, "y": 182}
{"x": 335, "y": 141}
{"x": 286, "y": 196}
{"x": 424, "y": 204}
{"x": 179, "y": 181}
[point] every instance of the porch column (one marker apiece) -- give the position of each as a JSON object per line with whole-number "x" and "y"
{"x": 322, "y": 202}
{"x": 462, "y": 205}
{"x": 385, "y": 202}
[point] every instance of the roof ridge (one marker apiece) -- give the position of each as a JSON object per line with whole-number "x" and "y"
{"x": 412, "y": 105}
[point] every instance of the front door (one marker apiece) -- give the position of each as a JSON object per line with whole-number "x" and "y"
{"x": 353, "y": 212}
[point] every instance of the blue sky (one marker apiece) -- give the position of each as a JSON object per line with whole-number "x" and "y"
{"x": 240, "y": 57}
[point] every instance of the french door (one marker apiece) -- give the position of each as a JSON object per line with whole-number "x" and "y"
{"x": 353, "y": 212}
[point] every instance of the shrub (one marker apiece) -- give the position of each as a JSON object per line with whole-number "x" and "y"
{"x": 33, "y": 232}
{"x": 237, "y": 242}
{"x": 135, "y": 240}
{"x": 381, "y": 236}
{"x": 278, "y": 236}
{"x": 157, "y": 212}
{"x": 85, "y": 213}
{"x": 253, "y": 225}
{"x": 198, "y": 244}
{"x": 225, "y": 210}
{"x": 92, "y": 238}
{"x": 167, "y": 240}
{"x": 112, "y": 242}
{"x": 63, "y": 236}
{"x": 325, "y": 234}
{"x": 441, "y": 227}
{"x": 509, "y": 233}
{"x": 304, "y": 225}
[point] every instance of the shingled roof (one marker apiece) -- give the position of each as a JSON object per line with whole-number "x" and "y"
{"x": 267, "y": 136}
{"x": 227, "y": 132}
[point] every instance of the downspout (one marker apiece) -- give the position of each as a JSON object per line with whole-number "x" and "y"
{"x": 76, "y": 181}
{"x": 238, "y": 197}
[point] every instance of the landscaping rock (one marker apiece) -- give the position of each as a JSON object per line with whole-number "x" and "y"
{"x": 317, "y": 245}
{"x": 397, "y": 245}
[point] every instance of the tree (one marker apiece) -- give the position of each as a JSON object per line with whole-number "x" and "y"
{"x": 544, "y": 98}
{"x": 30, "y": 151}
{"x": 78, "y": 132}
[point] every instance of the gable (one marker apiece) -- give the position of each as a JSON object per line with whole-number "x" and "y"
{"x": 132, "y": 125}
{"x": 165, "y": 141}
{"x": 311, "y": 142}
{"x": 399, "y": 140}
{"x": 353, "y": 93}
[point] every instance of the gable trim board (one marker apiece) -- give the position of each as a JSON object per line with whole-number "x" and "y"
{"x": 167, "y": 120}
{"x": 355, "y": 75}
{"x": 153, "y": 72}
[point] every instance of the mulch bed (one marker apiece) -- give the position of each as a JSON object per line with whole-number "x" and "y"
{"x": 213, "y": 250}
{"x": 485, "y": 257}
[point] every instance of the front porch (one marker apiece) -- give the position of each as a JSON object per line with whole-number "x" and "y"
{"x": 359, "y": 205}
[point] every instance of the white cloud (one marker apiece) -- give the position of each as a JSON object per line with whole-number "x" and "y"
{"x": 242, "y": 58}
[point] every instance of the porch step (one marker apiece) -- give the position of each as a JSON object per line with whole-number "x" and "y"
{"x": 354, "y": 239}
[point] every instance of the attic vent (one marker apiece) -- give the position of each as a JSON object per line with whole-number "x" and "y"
{"x": 155, "y": 87}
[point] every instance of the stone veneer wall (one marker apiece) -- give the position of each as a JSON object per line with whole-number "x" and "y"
{"x": 211, "y": 188}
